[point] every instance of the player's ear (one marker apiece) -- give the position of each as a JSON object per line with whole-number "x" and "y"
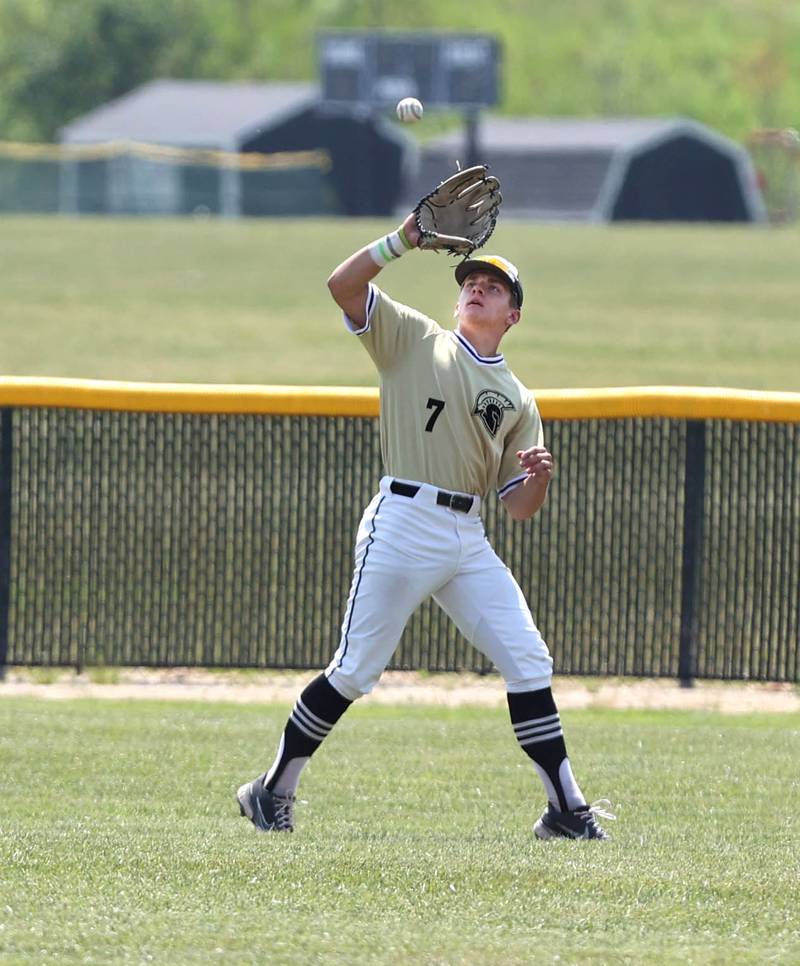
{"x": 514, "y": 315}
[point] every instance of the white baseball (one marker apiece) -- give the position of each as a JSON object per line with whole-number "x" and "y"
{"x": 409, "y": 110}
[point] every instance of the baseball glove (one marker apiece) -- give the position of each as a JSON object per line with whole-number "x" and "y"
{"x": 459, "y": 215}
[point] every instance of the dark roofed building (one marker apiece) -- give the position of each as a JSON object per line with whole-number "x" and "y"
{"x": 605, "y": 170}
{"x": 191, "y": 114}
{"x": 369, "y": 155}
{"x": 234, "y": 117}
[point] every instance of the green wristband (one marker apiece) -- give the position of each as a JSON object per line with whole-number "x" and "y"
{"x": 402, "y": 235}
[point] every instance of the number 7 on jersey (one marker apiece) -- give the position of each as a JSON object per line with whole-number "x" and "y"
{"x": 437, "y": 405}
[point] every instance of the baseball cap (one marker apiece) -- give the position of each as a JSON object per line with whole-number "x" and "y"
{"x": 495, "y": 264}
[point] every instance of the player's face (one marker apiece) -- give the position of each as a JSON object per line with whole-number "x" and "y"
{"x": 486, "y": 297}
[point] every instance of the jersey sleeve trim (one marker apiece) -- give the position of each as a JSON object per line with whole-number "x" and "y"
{"x": 372, "y": 299}
{"x": 512, "y": 484}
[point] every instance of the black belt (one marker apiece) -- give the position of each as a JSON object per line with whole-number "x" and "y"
{"x": 455, "y": 501}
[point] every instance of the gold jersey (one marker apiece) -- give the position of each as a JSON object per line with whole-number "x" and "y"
{"x": 449, "y": 416}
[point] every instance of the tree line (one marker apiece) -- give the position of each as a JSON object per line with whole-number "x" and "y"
{"x": 733, "y": 66}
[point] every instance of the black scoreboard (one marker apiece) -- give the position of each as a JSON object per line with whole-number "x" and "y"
{"x": 378, "y": 68}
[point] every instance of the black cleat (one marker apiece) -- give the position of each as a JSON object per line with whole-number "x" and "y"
{"x": 267, "y": 811}
{"x": 578, "y": 823}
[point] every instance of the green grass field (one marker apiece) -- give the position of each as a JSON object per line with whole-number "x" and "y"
{"x": 120, "y": 841}
{"x": 246, "y": 302}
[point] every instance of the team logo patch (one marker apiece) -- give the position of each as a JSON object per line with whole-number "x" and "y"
{"x": 490, "y": 406}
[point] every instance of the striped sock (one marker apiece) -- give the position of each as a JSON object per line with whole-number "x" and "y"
{"x": 537, "y": 727}
{"x": 313, "y": 716}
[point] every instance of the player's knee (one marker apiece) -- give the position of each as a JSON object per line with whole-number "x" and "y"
{"x": 350, "y": 686}
{"x": 517, "y": 686}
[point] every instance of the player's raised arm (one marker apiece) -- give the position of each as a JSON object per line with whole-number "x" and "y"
{"x": 458, "y": 216}
{"x": 348, "y": 283}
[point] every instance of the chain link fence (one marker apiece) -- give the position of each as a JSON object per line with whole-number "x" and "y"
{"x": 776, "y": 157}
{"x": 669, "y": 546}
{"x": 132, "y": 178}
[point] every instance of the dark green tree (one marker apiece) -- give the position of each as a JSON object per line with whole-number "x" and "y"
{"x": 58, "y": 61}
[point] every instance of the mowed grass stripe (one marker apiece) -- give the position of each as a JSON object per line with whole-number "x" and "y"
{"x": 120, "y": 840}
{"x": 246, "y": 301}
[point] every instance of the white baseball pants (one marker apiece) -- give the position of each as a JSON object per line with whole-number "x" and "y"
{"x": 408, "y": 549}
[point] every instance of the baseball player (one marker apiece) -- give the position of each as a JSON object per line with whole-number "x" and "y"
{"x": 455, "y": 422}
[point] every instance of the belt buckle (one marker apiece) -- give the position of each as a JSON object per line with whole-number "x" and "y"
{"x": 455, "y": 501}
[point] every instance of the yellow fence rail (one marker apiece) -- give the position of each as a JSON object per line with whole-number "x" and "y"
{"x": 240, "y": 161}
{"x": 672, "y": 402}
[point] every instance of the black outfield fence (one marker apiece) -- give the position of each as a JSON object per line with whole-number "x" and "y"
{"x": 213, "y": 526}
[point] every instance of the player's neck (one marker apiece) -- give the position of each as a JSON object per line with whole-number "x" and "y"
{"x": 483, "y": 340}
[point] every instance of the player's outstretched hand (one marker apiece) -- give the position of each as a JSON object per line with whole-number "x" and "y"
{"x": 537, "y": 461}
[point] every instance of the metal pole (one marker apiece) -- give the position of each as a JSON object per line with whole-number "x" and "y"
{"x": 693, "y": 498}
{"x": 471, "y": 147}
{"x": 5, "y": 531}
